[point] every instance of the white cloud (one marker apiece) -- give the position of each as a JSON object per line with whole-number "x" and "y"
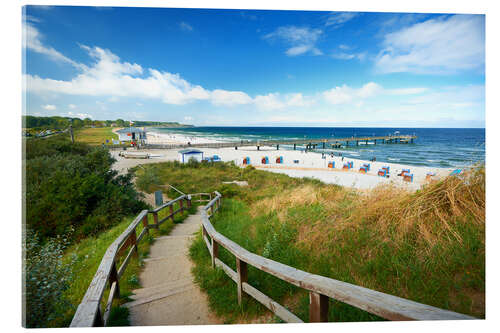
{"x": 338, "y": 19}
{"x": 346, "y": 94}
{"x": 299, "y": 39}
{"x": 229, "y": 98}
{"x": 186, "y": 26}
{"x": 349, "y": 56}
{"x": 344, "y": 47}
{"x": 368, "y": 90}
{"x": 72, "y": 106}
{"x": 188, "y": 118}
{"x": 32, "y": 41}
{"x": 108, "y": 76}
{"x": 49, "y": 107}
{"x": 77, "y": 115}
{"x": 456, "y": 97}
{"x": 297, "y": 99}
{"x": 269, "y": 102}
{"x": 275, "y": 101}
{"x": 436, "y": 46}
{"x": 406, "y": 91}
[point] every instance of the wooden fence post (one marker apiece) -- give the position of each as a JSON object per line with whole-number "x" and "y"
{"x": 188, "y": 201}
{"x": 98, "y": 322}
{"x": 215, "y": 251}
{"x": 242, "y": 270}
{"x": 133, "y": 242}
{"x": 145, "y": 223}
{"x": 172, "y": 212}
{"x": 155, "y": 216}
{"x": 113, "y": 277}
{"x": 318, "y": 307}
{"x": 181, "y": 205}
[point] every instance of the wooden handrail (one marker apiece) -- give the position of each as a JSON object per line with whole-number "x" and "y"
{"x": 89, "y": 309}
{"x": 320, "y": 287}
{"x": 88, "y": 312}
{"x": 182, "y": 193}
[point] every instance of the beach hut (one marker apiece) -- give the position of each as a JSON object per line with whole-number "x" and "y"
{"x": 187, "y": 154}
{"x": 331, "y": 164}
{"x": 265, "y": 160}
{"x": 246, "y": 161}
{"x": 131, "y": 134}
{"x": 279, "y": 160}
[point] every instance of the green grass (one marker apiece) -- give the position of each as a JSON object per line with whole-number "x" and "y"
{"x": 86, "y": 256}
{"x": 426, "y": 246}
{"x": 95, "y": 136}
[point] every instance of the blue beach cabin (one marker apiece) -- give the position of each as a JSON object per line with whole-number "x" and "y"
{"x": 186, "y": 154}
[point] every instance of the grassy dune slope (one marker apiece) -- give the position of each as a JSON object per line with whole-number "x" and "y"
{"x": 426, "y": 246}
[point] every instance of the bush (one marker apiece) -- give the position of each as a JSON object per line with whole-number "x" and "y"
{"x": 74, "y": 187}
{"x": 46, "y": 279}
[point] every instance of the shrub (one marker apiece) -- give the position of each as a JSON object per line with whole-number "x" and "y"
{"x": 75, "y": 188}
{"x": 46, "y": 279}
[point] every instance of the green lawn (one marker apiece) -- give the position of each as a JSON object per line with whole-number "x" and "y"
{"x": 95, "y": 136}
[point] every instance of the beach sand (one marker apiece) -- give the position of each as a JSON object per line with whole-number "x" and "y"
{"x": 310, "y": 165}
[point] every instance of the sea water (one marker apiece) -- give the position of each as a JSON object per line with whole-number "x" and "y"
{"x": 439, "y": 147}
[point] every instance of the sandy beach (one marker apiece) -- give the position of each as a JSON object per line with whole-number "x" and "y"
{"x": 173, "y": 138}
{"x": 296, "y": 164}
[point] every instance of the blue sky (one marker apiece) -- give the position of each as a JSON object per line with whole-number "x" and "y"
{"x": 255, "y": 68}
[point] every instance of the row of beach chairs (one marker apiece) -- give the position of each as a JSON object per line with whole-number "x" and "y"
{"x": 264, "y": 160}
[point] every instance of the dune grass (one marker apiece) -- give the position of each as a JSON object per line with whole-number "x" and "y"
{"x": 426, "y": 246}
{"x": 86, "y": 256}
{"x": 95, "y": 136}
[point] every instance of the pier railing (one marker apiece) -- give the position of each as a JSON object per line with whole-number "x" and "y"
{"x": 89, "y": 311}
{"x": 320, "y": 288}
{"x": 264, "y": 143}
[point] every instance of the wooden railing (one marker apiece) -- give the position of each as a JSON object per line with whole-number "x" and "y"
{"x": 320, "y": 288}
{"x": 89, "y": 312}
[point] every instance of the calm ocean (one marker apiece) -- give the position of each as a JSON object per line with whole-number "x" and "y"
{"x": 441, "y": 147}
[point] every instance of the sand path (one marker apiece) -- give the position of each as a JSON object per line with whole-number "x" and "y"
{"x": 168, "y": 295}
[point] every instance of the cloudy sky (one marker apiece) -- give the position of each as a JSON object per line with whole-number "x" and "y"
{"x": 255, "y": 68}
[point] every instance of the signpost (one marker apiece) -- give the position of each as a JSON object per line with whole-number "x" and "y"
{"x": 158, "y": 198}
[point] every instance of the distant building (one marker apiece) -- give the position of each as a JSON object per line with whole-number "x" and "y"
{"x": 131, "y": 133}
{"x": 186, "y": 154}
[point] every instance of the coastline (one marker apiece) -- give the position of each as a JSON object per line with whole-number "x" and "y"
{"x": 310, "y": 164}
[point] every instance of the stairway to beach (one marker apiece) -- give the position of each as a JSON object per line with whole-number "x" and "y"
{"x": 169, "y": 295}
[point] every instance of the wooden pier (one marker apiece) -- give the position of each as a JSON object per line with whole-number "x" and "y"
{"x": 308, "y": 143}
